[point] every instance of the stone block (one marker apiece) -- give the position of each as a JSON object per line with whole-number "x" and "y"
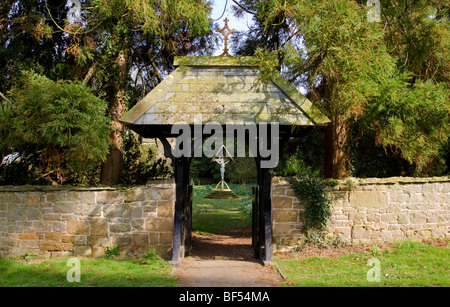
{"x": 399, "y": 197}
{"x": 389, "y": 217}
{"x": 64, "y": 207}
{"x": 159, "y": 224}
{"x": 359, "y": 232}
{"x": 67, "y": 239}
{"x": 55, "y": 197}
{"x": 136, "y": 212}
{"x": 16, "y": 212}
{"x": 27, "y": 236}
{"x": 53, "y": 236}
{"x": 166, "y": 194}
{"x": 31, "y": 198}
{"x": 78, "y": 227}
{"x": 343, "y": 233}
{"x": 281, "y": 228}
{"x": 51, "y": 246}
{"x": 279, "y": 191}
{"x": 89, "y": 209}
{"x": 99, "y": 227}
{"x": 357, "y": 217}
{"x": 153, "y": 238}
{"x": 116, "y": 211}
{"x": 137, "y": 194}
{"x": 140, "y": 239}
{"x": 34, "y": 214}
{"x": 403, "y": 218}
{"x": 121, "y": 239}
{"x": 109, "y": 197}
{"x": 82, "y": 250}
{"x": 418, "y": 217}
{"x": 165, "y": 210}
{"x": 285, "y": 216}
{"x": 368, "y": 199}
{"x": 282, "y": 202}
{"x": 74, "y": 196}
{"x": 165, "y": 238}
{"x": 119, "y": 227}
{"x": 87, "y": 198}
{"x": 58, "y": 226}
{"x": 394, "y": 208}
{"x": 137, "y": 224}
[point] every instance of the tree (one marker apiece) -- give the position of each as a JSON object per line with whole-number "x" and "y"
{"x": 61, "y": 123}
{"x": 142, "y": 35}
{"x": 351, "y": 75}
{"x": 121, "y": 49}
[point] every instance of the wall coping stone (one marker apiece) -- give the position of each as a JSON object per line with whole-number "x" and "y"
{"x": 352, "y": 182}
{"x": 48, "y": 188}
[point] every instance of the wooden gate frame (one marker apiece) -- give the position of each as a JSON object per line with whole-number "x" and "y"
{"x": 261, "y": 209}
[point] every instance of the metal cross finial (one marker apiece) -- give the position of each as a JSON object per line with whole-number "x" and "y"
{"x": 225, "y": 32}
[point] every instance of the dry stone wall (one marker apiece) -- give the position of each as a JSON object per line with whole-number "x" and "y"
{"x": 85, "y": 221}
{"x": 369, "y": 210}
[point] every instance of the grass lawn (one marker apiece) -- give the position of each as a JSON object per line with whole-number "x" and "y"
{"x": 221, "y": 216}
{"x": 406, "y": 264}
{"x": 99, "y": 272}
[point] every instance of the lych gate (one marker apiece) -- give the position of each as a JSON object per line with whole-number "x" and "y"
{"x": 222, "y": 90}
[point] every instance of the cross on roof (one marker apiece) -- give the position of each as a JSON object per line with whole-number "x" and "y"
{"x": 225, "y": 32}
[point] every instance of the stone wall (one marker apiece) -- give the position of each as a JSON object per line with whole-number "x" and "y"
{"x": 85, "y": 221}
{"x": 370, "y": 210}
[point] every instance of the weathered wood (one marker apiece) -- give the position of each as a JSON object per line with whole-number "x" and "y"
{"x": 255, "y": 228}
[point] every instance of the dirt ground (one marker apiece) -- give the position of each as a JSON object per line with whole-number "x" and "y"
{"x": 225, "y": 261}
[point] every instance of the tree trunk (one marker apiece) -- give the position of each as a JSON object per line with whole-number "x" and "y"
{"x": 335, "y": 156}
{"x": 111, "y": 168}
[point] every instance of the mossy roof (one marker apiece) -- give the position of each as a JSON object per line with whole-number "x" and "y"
{"x": 223, "y": 90}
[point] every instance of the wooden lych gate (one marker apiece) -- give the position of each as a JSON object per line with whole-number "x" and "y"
{"x": 221, "y": 90}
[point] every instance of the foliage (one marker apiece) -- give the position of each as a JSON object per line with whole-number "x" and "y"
{"x": 141, "y": 162}
{"x": 121, "y": 48}
{"x": 149, "y": 256}
{"x": 310, "y": 188}
{"x": 414, "y": 121}
{"x": 387, "y": 78}
{"x": 62, "y": 123}
{"x": 112, "y": 251}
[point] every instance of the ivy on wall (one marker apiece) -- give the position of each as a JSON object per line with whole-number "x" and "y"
{"x": 310, "y": 189}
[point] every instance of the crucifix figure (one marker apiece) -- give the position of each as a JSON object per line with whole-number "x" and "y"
{"x": 222, "y": 167}
{"x": 221, "y": 160}
{"x": 225, "y": 32}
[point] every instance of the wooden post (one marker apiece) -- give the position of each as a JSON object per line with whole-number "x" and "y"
{"x": 264, "y": 213}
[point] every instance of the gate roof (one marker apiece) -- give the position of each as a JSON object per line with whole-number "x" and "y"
{"x": 223, "y": 90}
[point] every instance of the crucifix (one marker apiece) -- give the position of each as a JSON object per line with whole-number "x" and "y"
{"x": 222, "y": 164}
{"x": 225, "y": 32}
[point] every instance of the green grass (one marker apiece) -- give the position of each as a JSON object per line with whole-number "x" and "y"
{"x": 98, "y": 272}
{"x": 221, "y": 216}
{"x": 408, "y": 264}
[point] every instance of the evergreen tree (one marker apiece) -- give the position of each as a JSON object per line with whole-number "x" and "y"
{"x": 353, "y": 73}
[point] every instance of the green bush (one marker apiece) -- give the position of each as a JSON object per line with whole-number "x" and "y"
{"x": 112, "y": 251}
{"x": 149, "y": 256}
{"x": 61, "y": 125}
